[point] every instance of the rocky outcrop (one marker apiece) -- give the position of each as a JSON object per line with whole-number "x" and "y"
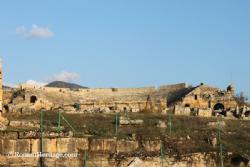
{"x": 100, "y": 152}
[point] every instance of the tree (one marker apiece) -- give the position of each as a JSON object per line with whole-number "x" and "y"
{"x": 241, "y": 99}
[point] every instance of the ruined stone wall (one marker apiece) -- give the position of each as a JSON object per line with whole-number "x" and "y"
{"x": 148, "y": 99}
{"x": 202, "y": 103}
{"x": 109, "y": 152}
{"x": 101, "y": 152}
{"x": 120, "y": 99}
{"x": 206, "y": 97}
{"x": 203, "y": 99}
{"x": 195, "y": 103}
{"x": 172, "y": 88}
{"x": 90, "y": 90}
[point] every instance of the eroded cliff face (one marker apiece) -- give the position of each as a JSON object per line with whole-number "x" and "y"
{"x": 94, "y": 152}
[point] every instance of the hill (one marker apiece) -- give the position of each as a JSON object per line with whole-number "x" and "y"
{"x": 61, "y": 84}
{"x": 7, "y": 87}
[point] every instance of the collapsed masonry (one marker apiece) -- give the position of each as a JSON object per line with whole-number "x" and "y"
{"x": 180, "y": 98}
{"x": 208, "y": 101}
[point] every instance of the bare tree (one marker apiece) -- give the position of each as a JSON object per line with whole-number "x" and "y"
{"x": 241, "y": 99}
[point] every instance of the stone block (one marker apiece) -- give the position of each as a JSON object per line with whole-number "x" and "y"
{"x": 8, "y": 146}
{"x": 109, "y": 145}
{"x": 96, "y": 145}
{"x": 103, "y": 145}
{"x": 35, "y": 145}
{"x": 15, "y": 123}
{"x": 66, "y": 145}
{"x": 152, "y": 145}
{"x": 82, "y": 144}
{"x": 49, "y": 145}
{"x": 127, "y": 146}
{"x": 23, "y": 146}
{"x": 205, "y": 112}
{"x": 9, "y": 135}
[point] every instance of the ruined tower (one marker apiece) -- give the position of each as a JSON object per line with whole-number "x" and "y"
{"x": 1, "y": 87}
{"x": 231, "y": 89}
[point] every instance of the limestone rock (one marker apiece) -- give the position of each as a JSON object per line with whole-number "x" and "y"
{"x": 3, "y": 123}
{"x": 29, "y": 134}
{"x": 3, "y": 120}
{"x": 165, "y": 111}
{"x": 152, "y": 145}
{"x": 216, "y": 124}
{"x": 2, "y": 127}
{"x": 137, "y": 162}
{"x": 161, "y": 124}
{"x": 15, "y": 123}
{"x": 105, "y": 110}
{"x": 214, "y": 142}
{"x": 125, "y": 146}
{"x": 33, "y": 124}
{"x": 128, "y": 121}
{"x": 70, "y": 134}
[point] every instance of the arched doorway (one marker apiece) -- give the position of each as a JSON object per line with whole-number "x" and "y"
{"x": 33, "y": 99}
{"x": 219, "y": 109}
{"x": 219, "y": 106}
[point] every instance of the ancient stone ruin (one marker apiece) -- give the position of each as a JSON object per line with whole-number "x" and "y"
{"x": 132, "y": 145}
{"x": 180, "y": 99}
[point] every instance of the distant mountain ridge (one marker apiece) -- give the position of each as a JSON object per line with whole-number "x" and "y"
{"x": 61, "y": 84}
{"x": 7, "y": 87}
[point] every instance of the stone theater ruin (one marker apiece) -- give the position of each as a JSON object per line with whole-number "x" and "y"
{"x": 121, "y": 127}
{"x": 180, "y": 99}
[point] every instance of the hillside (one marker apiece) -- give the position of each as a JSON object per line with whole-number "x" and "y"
{"x": 7, "y": 87}
{"x": 61, "y": 84}
{"x": 186, "y": 134}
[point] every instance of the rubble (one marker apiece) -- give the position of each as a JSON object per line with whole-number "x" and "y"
{"x": 128, "y": 121}
{"x": 137, "y": 162}
{"x": 161, "y": 124}
{"x": 31, "y": 124}
{"x": 216, "y": 124}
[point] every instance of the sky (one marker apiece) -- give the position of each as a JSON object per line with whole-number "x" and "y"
{"x": 132, "y": 43}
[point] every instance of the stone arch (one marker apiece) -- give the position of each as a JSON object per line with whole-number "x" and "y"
{"x": 33, "y": 99}
{"x": 238, "y": 160}
{"x": 247, "y": 113}
{"x": 219, "y": 106}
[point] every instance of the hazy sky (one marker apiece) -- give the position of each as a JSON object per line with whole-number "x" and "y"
{"x": 126, "y": 43}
